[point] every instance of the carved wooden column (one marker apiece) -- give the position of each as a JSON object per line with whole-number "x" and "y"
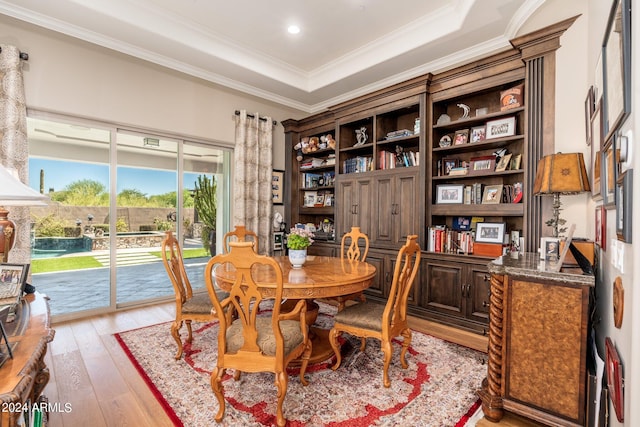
{"x": 538, "y": 51}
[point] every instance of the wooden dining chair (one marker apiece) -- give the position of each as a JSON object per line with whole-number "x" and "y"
{"x": 383, "y": 322}
{"x": 189, "y": 307}
{"x": 247, "y": 340}
{"x": 240, "y": 234}
{"x": 354, "y": 246}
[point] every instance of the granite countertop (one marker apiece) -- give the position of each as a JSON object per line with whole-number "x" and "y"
{"x": 530, "y": 265}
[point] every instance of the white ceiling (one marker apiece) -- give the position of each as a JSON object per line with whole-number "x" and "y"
{"x": 346, "y": 47}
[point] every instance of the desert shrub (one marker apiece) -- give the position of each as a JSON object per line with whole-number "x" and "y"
{"x": 49, "y": 226}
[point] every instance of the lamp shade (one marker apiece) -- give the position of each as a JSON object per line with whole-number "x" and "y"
{"x": 561, "y": 173}
{"x": 14, "y": 193}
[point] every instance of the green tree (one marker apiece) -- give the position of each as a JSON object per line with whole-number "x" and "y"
{"x": 85, "y": 192}
{"x": 133, "y": 198}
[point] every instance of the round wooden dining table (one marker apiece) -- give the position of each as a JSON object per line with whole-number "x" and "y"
{"x": 319, "y": 277}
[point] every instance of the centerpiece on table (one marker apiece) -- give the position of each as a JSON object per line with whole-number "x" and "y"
{"x": 298, "y": 240}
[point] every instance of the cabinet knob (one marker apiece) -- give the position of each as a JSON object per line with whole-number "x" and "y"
{"x": 487, "y": 278}
{"x": 485, "y": 304}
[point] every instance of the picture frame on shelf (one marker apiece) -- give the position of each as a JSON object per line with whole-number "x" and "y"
{"x": 490, "y": 232}
{"x": 550, "y": 249}
{"x": 492, "y": 194}
{"x": 481, "y": 165}
{"x": 478, "y": 134}
{"x": 516, "y": 162}
{"x": 448, "y": 164}
{"x": 445, "y": 141}
{"x": 461, "y": 223}
{"x": 503, "y": 163}
{"x": 328, "y": 200}
{"x": 616, "y": 63}
{"x": 277, "y": 187}
{"x": 310, "y": 198}
{"x": 461, "y": 137}
{"x": 501, "y": 127}
{"x": 624, "y": 204}
{"x": 609, "y": 173}
{"x": 601, "y": 227}
{"x": 449, "y": 194}
{"x": 319, "y": 201}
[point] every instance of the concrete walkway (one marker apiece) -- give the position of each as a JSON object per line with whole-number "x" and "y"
{"x": 139, "y": 276}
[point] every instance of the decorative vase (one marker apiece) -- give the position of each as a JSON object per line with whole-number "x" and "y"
{"x": 297, "y": 257}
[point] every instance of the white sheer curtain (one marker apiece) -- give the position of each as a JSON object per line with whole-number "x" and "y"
{"x": 14, "y": 149}
{"x": 252, "y": 183}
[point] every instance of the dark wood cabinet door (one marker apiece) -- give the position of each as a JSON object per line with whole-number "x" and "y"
{"x": 405, "y": 209}
{"x": 353, "y": 202}
{"x": 443, "y": 287}
{"x": 479, "y": 281}
{"x": 383, "y": 200}
{"x": 364, "y": 197}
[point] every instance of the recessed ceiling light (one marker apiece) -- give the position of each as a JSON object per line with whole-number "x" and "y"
{"x": 293, "y": 29}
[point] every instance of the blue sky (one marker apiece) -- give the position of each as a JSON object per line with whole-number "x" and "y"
{"x": 58, "y": 174}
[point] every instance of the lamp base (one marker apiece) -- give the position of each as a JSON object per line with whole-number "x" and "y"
{"x": 7, "y": 235}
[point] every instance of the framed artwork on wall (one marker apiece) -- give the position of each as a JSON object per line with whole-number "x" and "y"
{"x": 596, "y": 153}
{"x": 616, "y": 64}
{"x": 615, "y": 379}
{"x": 277, "y": 187}
{"x": 624, "y": 203}
{"x": 601, "y": 227}
{"x": 608, "y": 173}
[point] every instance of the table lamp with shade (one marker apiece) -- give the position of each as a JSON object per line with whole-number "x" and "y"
{"x": 558, "y": 174}
{"x": 13, "y": 193}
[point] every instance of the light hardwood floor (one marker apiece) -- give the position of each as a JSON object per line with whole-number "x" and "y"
{"x": 90, "y": 372}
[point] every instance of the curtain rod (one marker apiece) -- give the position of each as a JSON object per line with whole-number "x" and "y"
{"x": 252, "y": 116}
{"x": 23, "y": 55}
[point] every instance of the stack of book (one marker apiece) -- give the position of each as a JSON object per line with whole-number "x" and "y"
{"x": 357, "y": 164}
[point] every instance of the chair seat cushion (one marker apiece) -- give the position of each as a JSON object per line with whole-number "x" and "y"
{"x": 200, "y": 303}
{"x": 266, "y": 339}
{"x": 365, "y": 315}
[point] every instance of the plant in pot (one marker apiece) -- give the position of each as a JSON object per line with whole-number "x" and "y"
{"x": 205, "y": 202}
{"x": 298, "y": 240}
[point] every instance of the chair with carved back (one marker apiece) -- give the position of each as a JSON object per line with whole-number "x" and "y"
{"x": 189, "y": 306}
{"x": 240, "y": 234}
{"x": 354, "y": 246}
{"x": 249, "y": 341}
{"x": 383, "y": 322}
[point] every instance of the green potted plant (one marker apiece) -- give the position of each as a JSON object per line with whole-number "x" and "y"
{"x": 205, "y": 202}
{"x": 298, "y": 240}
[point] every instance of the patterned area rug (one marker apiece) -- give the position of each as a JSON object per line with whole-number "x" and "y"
{"x": 438, "y": 388}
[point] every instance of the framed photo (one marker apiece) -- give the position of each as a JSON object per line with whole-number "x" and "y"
{"x": 319, "y": 200}
{"x": 490, "y": 232}
{"x": 616, "y": 54}
{"x": 492, "y": 194}
{"x": 615, "y": 378}
{"x": 461, "y": 223}
{"x": 609, "y": 173}
{"x": 310, "y": 198}
{"x": 277, "y": 187}
{"x": 445, "y": 141}
{"x": 461, "y": 137}
{"x": 478, "y": 134}
{"x": 278, "y": 240}
{"x": 328, "y": 200}
{"x": 596, "y": 153}
{"x": 503, "y": 163}
{"x": 624, "y": 203}
{"x": 601, "y": 227}
{"x": 482, "y": 165}
{"x": 501, "y": 127}
{"x": 449, "y": 193}
{"x": 448, "y": 164}
{"x": 14, "y": 273}
{"x": 516, "y": 161}
{"x": 588, "y": 114}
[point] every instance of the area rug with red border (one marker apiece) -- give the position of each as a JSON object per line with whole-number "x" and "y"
{"x": 438, "y": 388}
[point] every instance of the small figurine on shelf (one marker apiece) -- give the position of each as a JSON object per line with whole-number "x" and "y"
{"x": 331, "y": 142}
{"x": 361, "y": 136}
{"x": 314, "y": 143}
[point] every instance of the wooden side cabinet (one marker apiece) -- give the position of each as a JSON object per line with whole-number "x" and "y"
{"x": 537, "y": 342}
{"x": 23, "y": 378}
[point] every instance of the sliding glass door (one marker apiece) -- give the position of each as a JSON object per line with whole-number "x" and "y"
{"x": 115, "y": 193}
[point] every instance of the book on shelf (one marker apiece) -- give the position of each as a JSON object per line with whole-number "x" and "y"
{"x": 441, "y": 239}
{"x": 357, "y": 164}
